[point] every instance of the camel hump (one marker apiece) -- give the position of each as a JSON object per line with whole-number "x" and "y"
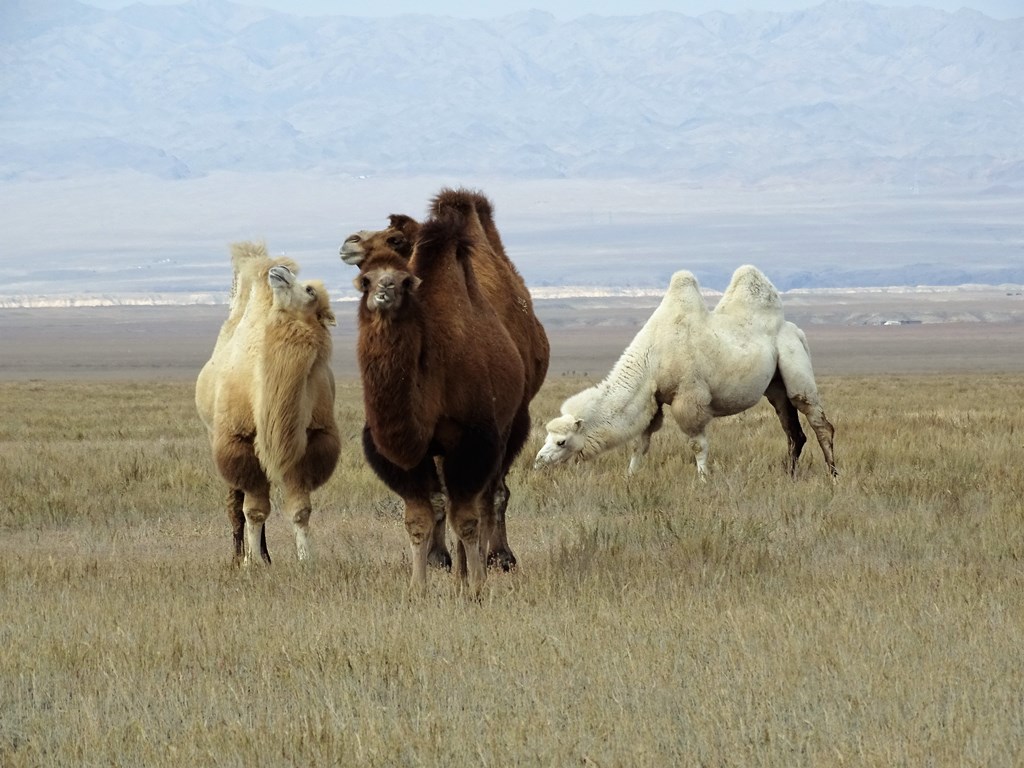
{"x": 465, "y": 201}
{"x": 750, "y": 289}
{"x": 684, "y": 290}
{"x": 444, "y": 234}
{"x": 244, "y": 257}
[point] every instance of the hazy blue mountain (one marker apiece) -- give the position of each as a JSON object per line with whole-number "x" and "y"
{"x": 842, "y": 92}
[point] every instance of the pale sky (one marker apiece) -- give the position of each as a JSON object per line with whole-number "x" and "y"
{"x": 999, "y": 9}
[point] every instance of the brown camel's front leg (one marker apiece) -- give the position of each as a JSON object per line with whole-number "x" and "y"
{"x": 464, "y": 517}
{"x": 419, "y": 524}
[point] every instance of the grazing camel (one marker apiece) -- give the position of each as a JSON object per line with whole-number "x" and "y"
{"x": 266, "y": 397}
{"x": 502, "y": 286}
{"x": 703, "y": 365}
{"x": 442, "y": 379}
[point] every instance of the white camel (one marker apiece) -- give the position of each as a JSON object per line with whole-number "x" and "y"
{"x": 703, "y": 365}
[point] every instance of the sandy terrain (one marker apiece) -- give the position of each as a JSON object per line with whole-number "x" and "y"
{"x": 966, "y": 331}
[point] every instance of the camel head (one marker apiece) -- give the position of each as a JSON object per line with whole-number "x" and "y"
{"x": 384, "y": 289}
{"x": 299, "y": 298}
{"x": 398, "y": 237}
{"x": 564, "y": 441}
{"x": 353, "y": 250}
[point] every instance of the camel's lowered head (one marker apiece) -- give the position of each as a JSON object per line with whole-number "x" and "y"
{"x": 309, "y": 298}
{"x": 385, "y": 289}
{"x": 565, "y": 440}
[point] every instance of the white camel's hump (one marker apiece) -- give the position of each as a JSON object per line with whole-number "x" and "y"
{"x": 684, "y": 293}
{"x": 749, "y": 290}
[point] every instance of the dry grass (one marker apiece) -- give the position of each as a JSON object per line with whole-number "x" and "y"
{"x": 754, "y": 620}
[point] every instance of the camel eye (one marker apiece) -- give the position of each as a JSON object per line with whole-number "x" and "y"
{"x": 560, "y": 443}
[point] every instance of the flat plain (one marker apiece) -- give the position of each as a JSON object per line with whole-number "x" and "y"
{"x": 756, "y": 619}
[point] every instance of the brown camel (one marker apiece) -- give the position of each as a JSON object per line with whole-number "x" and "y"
{"x": 503, "y": 286}
{"x": 442, "y": 379}
{"x": 266, "y": 397}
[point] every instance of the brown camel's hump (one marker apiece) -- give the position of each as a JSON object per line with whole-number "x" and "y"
{"x": 465, "y": 201}
{"x": 442, "y": 239}
{"x": 499, "y": 280}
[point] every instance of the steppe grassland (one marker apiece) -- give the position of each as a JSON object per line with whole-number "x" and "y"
{"x": 754, "y": 620}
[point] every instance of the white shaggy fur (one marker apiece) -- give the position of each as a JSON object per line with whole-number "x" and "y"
{"x": 703, "y": 365}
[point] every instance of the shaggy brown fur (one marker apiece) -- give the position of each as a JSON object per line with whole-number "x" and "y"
{"x": 507, "y": 293}
{"x": 266, "y": 396}
{"x": 441, "y": 378}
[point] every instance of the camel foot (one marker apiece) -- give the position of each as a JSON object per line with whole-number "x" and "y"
{"x": 503, "y": 559}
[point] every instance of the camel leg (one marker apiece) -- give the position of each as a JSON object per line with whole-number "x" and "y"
{"x": 692, "y": 415}
{"x": 256, "y": 508}
{"x": 464, "y": 517}
{"x": 823, "y": 429}
{"x": 643, "y": 443}
{"x": 795, "y": 368}
{"x": 237, "y": 519}
{"x": 419, "y": 487}
{"x": 298, "y": 507}
{"x": 699, "y": 445}
{"x": 439, "y": 557}
{"x": 786, "y": 411}
{"x": 419, "y": 524}
{"x": 470, "y": 475}
{"x": 499, "y": 553}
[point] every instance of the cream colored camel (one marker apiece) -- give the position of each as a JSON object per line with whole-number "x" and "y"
{"x": 266, "y": 397}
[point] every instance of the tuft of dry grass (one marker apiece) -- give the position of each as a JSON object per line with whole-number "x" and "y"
{"x": 752, "y": 620}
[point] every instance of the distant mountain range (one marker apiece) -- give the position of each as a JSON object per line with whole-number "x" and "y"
{"x": 843, "y": 145}
{"x": 841, "y": 92}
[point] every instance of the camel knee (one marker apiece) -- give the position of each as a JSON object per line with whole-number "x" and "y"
{"x": 699, "y": 447}
{"x": 419, "y": 522}
{"x": 467, "y": 527}
{"x": 256, "y": 513}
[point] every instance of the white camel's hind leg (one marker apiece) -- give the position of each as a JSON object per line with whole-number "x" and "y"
{"x": 643, "y": 443}
{"x": 822, "y": 427}
{"x": 787, "y": 413}
{"x": 798, "y": 376}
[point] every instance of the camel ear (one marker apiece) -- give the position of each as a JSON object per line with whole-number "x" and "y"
{"x": 361, "y": 283}
{"x": 411, "y": 282}
{"x": 576, "y": 425}
{"x": 327, "y": 317}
